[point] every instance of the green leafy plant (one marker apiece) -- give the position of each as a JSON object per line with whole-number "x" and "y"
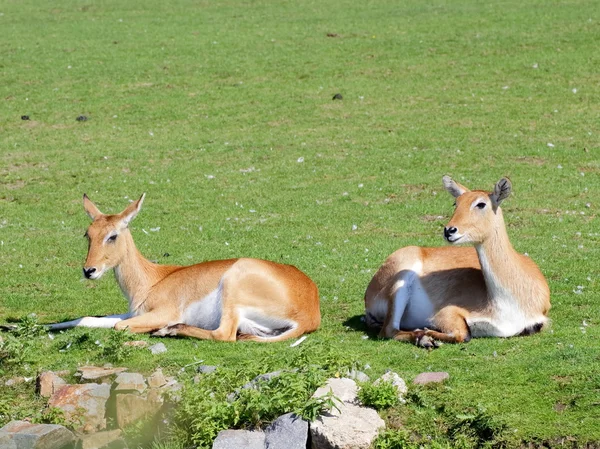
{"x": 115, "y": 349}
{"x": 379, "y": 396}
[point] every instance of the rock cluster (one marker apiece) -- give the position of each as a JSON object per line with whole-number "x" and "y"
{"x": 105, "y": 401}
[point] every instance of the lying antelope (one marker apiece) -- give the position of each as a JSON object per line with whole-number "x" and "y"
{"x": 225, "y": 300}
{"x": 460, "y": 292}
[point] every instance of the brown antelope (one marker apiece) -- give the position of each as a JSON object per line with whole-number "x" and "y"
{"x": 460, "y": 292}
{"x": 226, "y": 300}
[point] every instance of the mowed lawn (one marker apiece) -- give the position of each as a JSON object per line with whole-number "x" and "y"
{"x": 222, "y": 112}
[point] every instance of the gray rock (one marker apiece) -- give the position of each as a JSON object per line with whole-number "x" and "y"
{"x": 48, "y": 383}
{"x": 131, "y": 407}
{"x": 428, "y": 378}
{"x": 350, "y": 427}
{"x": 99, "y": 439}
{"x": 6, "y": 441}
{"x": 356, "y": 375}
{"x": 96, "y": 373}
{"x": 287, "y": 432}
{"x": 396, "y": 381}
{"x": 254, "y": 383}
{"x": 158, "y": 348}
{"x": 26, "y": 435}
{"x": 344, "y": 389}
{"x": 239, "y": 439}
{"x": 130, "y": 382}
{"x": 84, "y": 406}
{"x": 156, "y": 379}
{"x": 206, "y": 369}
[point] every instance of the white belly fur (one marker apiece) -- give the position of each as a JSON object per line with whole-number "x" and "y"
{"x": 204, "y": 313}
{"x": 507, "y": 321}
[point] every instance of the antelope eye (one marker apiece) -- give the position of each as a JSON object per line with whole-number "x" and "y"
{"x": 480, "y": 205}
{"x": 112, "y": 238}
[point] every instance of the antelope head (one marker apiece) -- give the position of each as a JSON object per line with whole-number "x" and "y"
{"x": 477, "y": 212}
{"x": 107, "y": 237}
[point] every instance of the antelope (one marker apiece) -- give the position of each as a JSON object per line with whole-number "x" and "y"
{"x": 226, "y": 300}
{"x": 451, "y": 294}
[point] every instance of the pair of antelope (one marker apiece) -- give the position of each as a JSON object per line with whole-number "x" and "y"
{"x": 488, "y": 290}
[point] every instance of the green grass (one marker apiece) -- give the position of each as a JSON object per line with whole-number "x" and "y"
{"x": 208, "y": 106}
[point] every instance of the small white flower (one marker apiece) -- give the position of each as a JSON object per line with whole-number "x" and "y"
{"x": 551, "y": 145}
{"x": 300, "y": 159}
{"x": 535, "y": 66}
{"x": 574, "y": 90}
{"x": 354, "y": 227}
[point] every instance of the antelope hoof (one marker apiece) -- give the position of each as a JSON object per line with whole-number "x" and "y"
{"x": 427, "y": 342}
{"x": 167, "y": 331}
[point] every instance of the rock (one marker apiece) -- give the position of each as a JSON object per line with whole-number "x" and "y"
{"x": 158, "y": 348}
{"x": 6, "y": 441}
{"x": 396, "y": 381}
{"x": 48, "y": 383}
{"x": 156, "y": 379}
{"x": 131, "y": 407}
{"x": 206, "y": 369}
{"x": 84, "y": 405}
{"x": 287, "y": 432}
{"x": 99, "y": 439}
{"x": 254, "y": 383}
{"x": 428, "y": 378}
{"x": 356, "y": 375}
{"x": 25, "y": 435}
{"x": 344, "y": 389}
{"x": 136, "y": 344}
{"x": 130, "y": 382}
{"x": 17, "y": 381}
{"x": 95, "y": 373}
{"x": 352, "y": 427}
{"x": 239, "y": 439}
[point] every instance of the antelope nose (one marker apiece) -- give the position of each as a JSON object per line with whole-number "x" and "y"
{"x": 87, "y": 272}
{"x": 448, "y": 231}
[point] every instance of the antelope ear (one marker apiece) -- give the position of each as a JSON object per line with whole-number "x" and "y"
{"x": 501, "y": 191}
{"x": 454, "y": 188}
{"x": 90, "y": 208}
{"x": 131, "y": 211}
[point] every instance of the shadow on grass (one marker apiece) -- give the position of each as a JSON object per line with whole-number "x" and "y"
{"x": 357, "y": 323}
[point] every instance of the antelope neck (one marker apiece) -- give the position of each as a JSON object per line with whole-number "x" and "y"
{"x": 135, "y": 275}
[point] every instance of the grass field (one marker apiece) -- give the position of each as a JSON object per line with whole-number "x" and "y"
{"x": 222, "y": 113}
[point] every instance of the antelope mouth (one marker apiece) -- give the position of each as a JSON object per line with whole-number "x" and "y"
{"x": 454, "y": 238}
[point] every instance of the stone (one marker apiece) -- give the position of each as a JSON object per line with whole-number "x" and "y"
{"x": 95, "y": 372}
{"x": 131, "y": 407}
{"x": 350, "y": 427}
{"x": 356, "y": 375}
{"x": 99, "y": 439}
{"x": 206, "y": 369}
{"x": 156, "y": 379}
{"x": 396, "y": 381}
{"x": 287, "y": 432}
{"x": 84, "y": 406}
{"x": 130, "y": 382}
{"x": 344, "y": 389}
{"x": 17, "y": 381}
{"x": 158, "y": 348}
{"x": 239, "y": 439}
{"x": 6, "y": 441}
{"x": 428, "y": 378}
{"x": 26, "y": 435}
{"x": 136, "y": 344}
{"x": 48, "y": 383}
